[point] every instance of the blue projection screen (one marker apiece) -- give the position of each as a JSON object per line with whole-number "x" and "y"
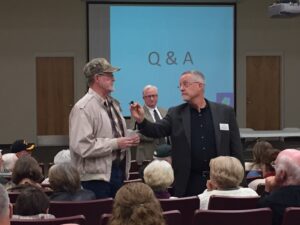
{"x": 154, "y": 44}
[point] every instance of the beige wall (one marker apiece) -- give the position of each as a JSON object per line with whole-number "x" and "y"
{"x": 28, "y": 29}
{"x": 261, "y": 35}
{"x": 58, "y": 28}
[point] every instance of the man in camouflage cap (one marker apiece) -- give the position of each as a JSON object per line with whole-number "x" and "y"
{"x": 99, "y": 140}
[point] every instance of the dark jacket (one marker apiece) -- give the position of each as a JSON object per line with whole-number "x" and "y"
{"x": 81, "y": 195}
{"x": 278, "y": 200}
{"x": 177, "y": 125}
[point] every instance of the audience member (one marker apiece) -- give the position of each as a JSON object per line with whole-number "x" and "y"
{"x": 144, "y": 151}
{"x": 26, "y": 172}
{"x": 159, "y": 176}
{"x": 99, "y": 141}
{"x": 21, "y": 148}
{"x": 267, "y": 169}
{"x": 226, "y": 174}
{"x": 258, "y": 154}
{"x": 162, "y": 152}
{"x": 9, "y": 161}
{"x": 61, "y": 157}
{"x": 283, "y": 189}
{"x": 7, "y": 164}
{"x": 199, "y": 129}
{"x": 136, "y": 204}
{"x": 32, "y": 203}
{"x": 65, "y": 182}
{"x": 5, "y": 207}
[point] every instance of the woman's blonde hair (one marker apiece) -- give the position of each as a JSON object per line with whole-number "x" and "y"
{"x": 136, "y": 204}
{"x": 226, "y": 171}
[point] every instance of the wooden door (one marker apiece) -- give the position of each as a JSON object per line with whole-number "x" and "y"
{"x": 263, "y": 92}
{"x": 54, "y": 94}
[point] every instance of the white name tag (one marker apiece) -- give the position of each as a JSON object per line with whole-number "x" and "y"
{"x": 224, "y": 126}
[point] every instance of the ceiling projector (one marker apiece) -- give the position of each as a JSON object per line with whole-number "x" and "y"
{"x": 284, "y": 9}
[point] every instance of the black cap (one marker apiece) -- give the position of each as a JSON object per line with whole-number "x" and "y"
{"x": 162, "y": 151}
{"x": 21, "y": 145}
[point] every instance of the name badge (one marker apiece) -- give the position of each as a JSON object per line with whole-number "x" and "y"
{"x": 224, "y": 126}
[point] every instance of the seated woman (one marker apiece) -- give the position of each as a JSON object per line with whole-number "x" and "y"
{"x": 159, "y": 176}
{"x": 7, "y": 164}
{"x": 226, "y": 174}
{"x": 268, "y": 158}
{"x": 32, "y": 203}
{"x": 135, "y": 204}
{"x": 26, "y": 172}
{"x": 258, "y": 153}
{"x": 63, "y": 156}
{"x": 65, "y": 182}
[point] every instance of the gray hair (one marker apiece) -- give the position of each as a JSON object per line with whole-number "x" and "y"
{"x": 9, "y": 161}
{"x": 196, "y": 74}
{"x": 149, "y": 86}
{"x": 64, "y": 177}
{"x": 4, "y": 201}
{"x": 62, "y": 156}
{"x": 159, "y": 175}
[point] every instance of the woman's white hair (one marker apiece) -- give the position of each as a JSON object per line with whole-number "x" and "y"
{"x": 159, "y": 175}
{"x": 62, "y": 156}
{"x": 9, "y": 161}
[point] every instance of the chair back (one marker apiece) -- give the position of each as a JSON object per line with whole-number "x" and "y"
{"x": 105, "y": 218}
{"x": 186, "y": 206}
{"x": 131, "y": 181}
{"x": 262, "y": 216}
{"x": 92, "y": 209}
{"x": 134, "y": 167}
{"x": 13, "y": 195}
{"x": 172, "y": 217}
{"x": 218, "y": 202}
{"x": 78, "y": 219}
{"x": 291, "y": 216}
{"x": 134, "y": 175}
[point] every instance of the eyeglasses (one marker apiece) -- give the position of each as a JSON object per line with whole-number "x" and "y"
{"x": 150, "y": 96}
{"x": 273, "y": 164}
{"x": 187, "y": 84}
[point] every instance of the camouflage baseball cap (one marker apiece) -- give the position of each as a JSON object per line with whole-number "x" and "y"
{"x": 98, "y": 66}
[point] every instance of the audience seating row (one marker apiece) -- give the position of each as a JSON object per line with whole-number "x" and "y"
{"x": 176, "y": 211}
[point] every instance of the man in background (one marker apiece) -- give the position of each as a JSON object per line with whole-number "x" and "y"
{"x": 199, "y": 129}
{"x": 99, "y": 140}
{"x": 153, "y": 113}
{"x": 283, "y": 189}
{"x": 21, "y": 148}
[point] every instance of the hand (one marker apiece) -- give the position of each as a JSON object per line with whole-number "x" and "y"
{"x": 137, "y": 112}
{"x": 127, "y": 142}
{"x": 270, "y": 184}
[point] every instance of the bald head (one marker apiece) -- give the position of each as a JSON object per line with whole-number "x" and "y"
{"x": 287, "y": 166}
